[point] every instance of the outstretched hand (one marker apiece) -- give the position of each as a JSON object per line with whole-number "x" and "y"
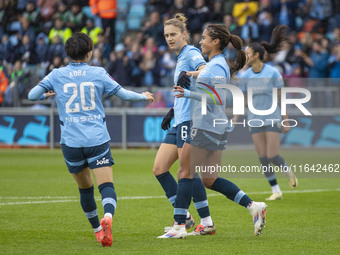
{"x": 180, "y": 90}
{"x": 149, "y": 96}
{"x": 49, "y": 94}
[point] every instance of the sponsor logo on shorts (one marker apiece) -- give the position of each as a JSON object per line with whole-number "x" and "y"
{"x": 102, "y": 161}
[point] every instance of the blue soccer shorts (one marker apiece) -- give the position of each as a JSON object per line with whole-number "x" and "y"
{"x": 93, "y": 157}
{"x": 178, "y": 135}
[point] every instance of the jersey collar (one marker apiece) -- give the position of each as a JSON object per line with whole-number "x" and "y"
{"x": 182, "y": 50}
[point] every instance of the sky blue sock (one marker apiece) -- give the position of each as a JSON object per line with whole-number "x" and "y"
{"x": 169, "y": 185}
{"x": 183, "y": 199}
{"x": 231, "y": 191}
{"x": 89, "y": 206}
{"x": 109, "y": 197}
{"x": 199, "y": 195}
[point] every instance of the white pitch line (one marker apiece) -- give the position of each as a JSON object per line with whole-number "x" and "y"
{"x": 72, "y": 199}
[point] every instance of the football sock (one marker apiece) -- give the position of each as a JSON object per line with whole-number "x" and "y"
{"x": 280, "y": 162}
{"x": 183, "y": 199}
{"x": 207, "y": 221}
{"x": 276, "y": 188}
{"x": 231, "y": 191}
{"x": 109, "y": 198}
{"x": 268, "y": 171}
{"x": 169, "y": 185}
{"x": 199, "y": 195}
{"x": 89, "y": 207}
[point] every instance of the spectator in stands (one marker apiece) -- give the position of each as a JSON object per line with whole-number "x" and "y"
{"x": 107, "y": 11}
{"x": 334, "y": 64}
{"x": 243, "y": 9}
{"x": 336, "y": 36}
{"x": 56, "y": 63}
{"x": 147, "y": 66}
{"x": 56, "y": 49}
{"x": 47, "y": 8}
{"x": 32, "y": 13}
{"x": 284, "y": 12}
{"x": 41, "y": 48}
{"x": 61, "y": 11}
{"x": 26, "y": 51}
{"x": 119, "y": 66}
{"x": 75, "y": 18}
{"x": 92, "y": 31}
{"x": 197, "y": 16}
{"x": 177, "y": 7}
{"x": 150, "y": 44}
{"x": 231, "y": 25}
{"x": 63, "y": 32}
{"x": 104, "y": 46}
{"x": 266, "y": 27}
{"x": 4, "y": 48}
{"x": 317, "y": 61}
{"x": 250, "y": 31}
{"x": 166, "y": 64}
{"x": 17, "y": 71}
{"x": 216, "y": 15}
{"x": 27, "y": 29}
{"x": 154, "y": 28}
{"x": 135, "y": 58}
{"x": 97, "y": 58}
{"x": 3, "y": 82}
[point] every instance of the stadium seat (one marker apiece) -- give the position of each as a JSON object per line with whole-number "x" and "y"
{"x": 137, "y": 10}
{"x": 134, "y": 23}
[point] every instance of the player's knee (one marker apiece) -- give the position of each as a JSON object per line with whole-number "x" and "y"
{"x": 157, "y": 170}
{"x": 208, "y": 182}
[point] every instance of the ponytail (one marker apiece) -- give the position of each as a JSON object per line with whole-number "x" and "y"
{"x": 241, "y": 57}
{"x": 277, "y": 41}
{"x": 222, "y": 33}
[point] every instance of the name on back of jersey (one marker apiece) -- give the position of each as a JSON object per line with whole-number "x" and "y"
{"x": 78, "y": 73}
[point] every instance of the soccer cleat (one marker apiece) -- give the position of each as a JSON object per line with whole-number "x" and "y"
{"x": 177, "y": 231}
{"x": 258, "y": 212}
{"x": 106, "y": 223}
{"x": 99, "y": 235}
{"x": 292, "y": 180}
{"x": 202, "y": 230}
{"x": 189, "y": 223}
{"x": 275, "y": 196}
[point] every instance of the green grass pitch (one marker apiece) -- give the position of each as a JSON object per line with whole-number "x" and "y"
{"x": 40, "y": 211}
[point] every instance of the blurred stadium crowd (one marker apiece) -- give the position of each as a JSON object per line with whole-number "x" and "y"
{"x": 129, "y": 40}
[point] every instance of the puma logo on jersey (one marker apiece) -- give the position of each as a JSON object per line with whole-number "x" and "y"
{"x": 102, "y": 162}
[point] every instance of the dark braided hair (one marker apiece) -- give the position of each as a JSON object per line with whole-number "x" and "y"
{"x": 221, "y": 32}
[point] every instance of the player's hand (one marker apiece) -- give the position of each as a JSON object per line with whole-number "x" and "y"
{"x": 183, "y": 80}
{"x": 49, "y": 94}
{"x": 149, "y": 96}
{"x": 285, "y": 129}
{"x": 167, "y": 119}
{"x": 180, "y": 90}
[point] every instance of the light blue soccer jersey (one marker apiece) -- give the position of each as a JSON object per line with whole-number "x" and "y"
{"x": 79, "y": 89}
{"x": 215, "y": 72}
{"x": 262, "y": 85}
{"x": 189, "y": 59}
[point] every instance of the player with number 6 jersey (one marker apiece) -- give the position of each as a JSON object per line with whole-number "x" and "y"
{"x": 189, "y": 58}
{"x": 79, "y": 88}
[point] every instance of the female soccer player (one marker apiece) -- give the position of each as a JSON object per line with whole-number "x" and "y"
{"x": 189, "y": 58}
{"x": 84, "y": 137}
{"x": 207, "y": 141}
{"x": 262, "y": 78}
